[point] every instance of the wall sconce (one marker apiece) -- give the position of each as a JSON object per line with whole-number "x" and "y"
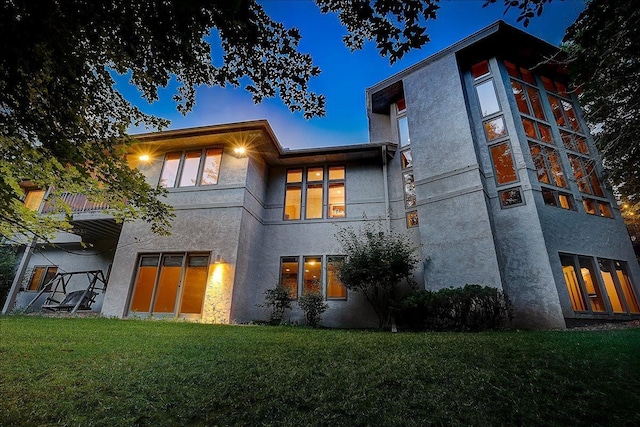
{"x": 144, "y": 158}
{"x": 240, "y": 151}
{"x": 217, "y": 259}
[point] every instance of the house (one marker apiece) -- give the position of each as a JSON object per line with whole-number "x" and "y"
{"x": 479, "y": 154}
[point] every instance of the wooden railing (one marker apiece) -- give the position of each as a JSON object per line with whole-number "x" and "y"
{"x": 77, "y": 203}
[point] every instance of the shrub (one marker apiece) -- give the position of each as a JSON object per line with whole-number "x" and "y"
{"x": 8, "y": 261}
{"x": 313, "y": 304}
{"x": 471, "y": 308}
{"x": 279, "y": 301}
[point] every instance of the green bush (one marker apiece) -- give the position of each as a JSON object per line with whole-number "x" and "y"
{"x": 279, "y": 301}
{"x": 8, "y": 261}
{"x": 471, "y": 308}
{"x": 313, "y": 304}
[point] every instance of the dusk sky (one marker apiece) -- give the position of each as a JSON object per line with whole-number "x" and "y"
{"x": 345, "y": 75}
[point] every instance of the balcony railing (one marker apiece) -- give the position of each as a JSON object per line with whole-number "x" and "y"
{"x": 77, "y": 203}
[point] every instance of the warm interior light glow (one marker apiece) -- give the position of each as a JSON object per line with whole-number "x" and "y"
{"x": 144, "y": 157}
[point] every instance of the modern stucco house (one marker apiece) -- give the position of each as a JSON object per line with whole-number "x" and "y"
{"x": 479, "y": 154}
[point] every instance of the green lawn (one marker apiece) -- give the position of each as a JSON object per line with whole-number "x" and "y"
{"x": 82, "y": 372}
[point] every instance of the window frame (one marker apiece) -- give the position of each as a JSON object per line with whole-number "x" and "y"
{"x": 41, "y": 281}
{"x": 600, "y": 288}
{"x": 199, "y": 172}
{"x": 181, "y": 286}
{"x": 324, "y": 184}
{"x": 301, "y": 261}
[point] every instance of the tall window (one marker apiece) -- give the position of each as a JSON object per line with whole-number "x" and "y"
{"x": 313, "y": 274}
{"x": 191, "y": 168}
{"x": 318, "y": 187}
{"x": 170, "y": 284}
{"x": 40, "y": 276}
{"x": 602, "y": 287}
{"x": 496, "y": 134}
{"x": 406, "y": 164}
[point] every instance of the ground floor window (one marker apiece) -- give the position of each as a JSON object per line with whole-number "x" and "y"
{"x": 599, "y": 285}
{"x": 307, "y": 273}
{"x": 40, "y": 276}
{"x": 170, "y": 284}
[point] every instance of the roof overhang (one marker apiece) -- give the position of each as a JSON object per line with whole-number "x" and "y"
{"x": 496, "y": 40}
{"x": 258, "y": 139}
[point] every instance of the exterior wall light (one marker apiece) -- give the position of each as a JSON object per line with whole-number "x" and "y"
{"x": 240, "y": 151}
{"x": 144, "y": 157}
{"x": 217, "y": 259}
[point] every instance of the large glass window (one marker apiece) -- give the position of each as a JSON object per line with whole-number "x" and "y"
{"x": 170, "y": 284}
{"x": 293, "y": 194}
{"x": 548, "y": 166}
{"x": 289, "y": 275}
{"x": 191, "y": 168}
{"x": 409, "y": 190}
{"x": 503, "y": 163}
{"x": 335, "y": 288}
{"x": 587, "y": 285}
{"x": 313, "y": 276}
{"x": 316, "y": 183}
{"x": 487, "y": 97}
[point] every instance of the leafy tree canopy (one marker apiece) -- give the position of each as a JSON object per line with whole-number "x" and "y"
{"x": 63, "y": 125}
{"x": 604, "y": 48}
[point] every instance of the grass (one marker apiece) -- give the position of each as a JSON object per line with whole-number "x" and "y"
{"x": 105, "y": 372}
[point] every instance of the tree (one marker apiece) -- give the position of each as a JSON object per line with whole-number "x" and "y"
{"x": 604, "y": 64}
{"x": 377, "y": 262}
{"x": 63, "y": 124}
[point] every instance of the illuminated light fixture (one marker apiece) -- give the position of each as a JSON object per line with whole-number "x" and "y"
{"x": 240, "y": 151}
{"x": 217, "y": 259}
{"x": 144, "y": 157}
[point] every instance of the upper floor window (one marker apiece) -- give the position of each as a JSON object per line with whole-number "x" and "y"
{"x": 312, "y": 187}
{"x": 33, "y": 199}
{"x": 191, "y": 168}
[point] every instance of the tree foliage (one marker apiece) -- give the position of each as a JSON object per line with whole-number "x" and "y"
{"x": 377, "y": 263}
{"x": 63, "y": 123}
{"x": 604, "y": 48}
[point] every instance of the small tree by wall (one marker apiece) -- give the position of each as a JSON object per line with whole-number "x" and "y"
{"x": 377, "y": 262}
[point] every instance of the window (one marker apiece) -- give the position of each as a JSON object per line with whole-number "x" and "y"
{"x": 191, "y": 168}
{"x": 315, "y": 183}
{"x": 293, "y": 194}
{"x": 547, "y": 163}
{"x": 511, "y": 197}
{"x": 412, "y": 219}
{"x": 487, "y": 97}
{"x": 597, "y": 207}
{"x": 409, "y": 190}
{"x": 312, "y": 274}
{"x": 503, "y": 163}
{"x": 170, "y": 284}
{"x": 406, "y": 159}
{"x": 40, "y": 276}
{"x": 588, "y": 286}
{"x": 495, "y": 129}
{"x": 33, "y": 199}
{"x": 335, "y": 288}
{"x": 406, "y": 164}
{"x": 289, "y": 275}
{"x": 585, "y": 175}
{"x": 558, "y": 199}
{"x": 480, "y": 70}
{"x": 310, "y": 279}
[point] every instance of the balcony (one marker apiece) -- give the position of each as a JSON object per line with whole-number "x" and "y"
{"x": 78, "y": 203}
{"x": 89, "y": 222}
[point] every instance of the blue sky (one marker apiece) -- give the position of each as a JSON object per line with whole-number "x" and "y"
{"x": 345, "y": 75}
